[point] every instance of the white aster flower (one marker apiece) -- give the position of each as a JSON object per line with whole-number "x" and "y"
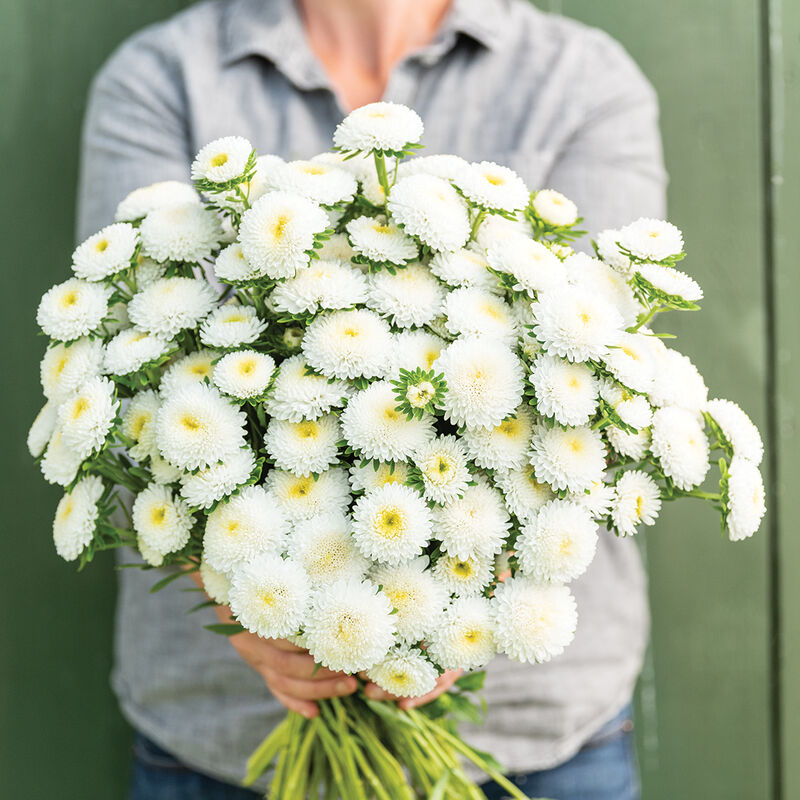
{"x": 523, "y": 494}
{"x": 676, "y": 380}
{"x": 534, "y": 267}
{"x": 464, "y": 577}
{"x": 169, "y": 305}
{"x": 324, "y": 546}
{"x": 87, "y": 415}
{"x": 419, "y": 599}
{"x": 432, "y": 210}
{"x": 76, "y": 517}
{"x": 554, "y": 209}
{"x": 139, "y": 424}
{"x": 322, "y": 285}
{"x": 533, "y": 623}
{"x": 105, "y": 253}
{"x": 231, "y": 325}
{"x": 61, "y": 461}
{"x": 190, "y": 369}
{"x": 304, "y": 447}
{"x": 350, "y": 626}
{"x": 185, "y": 232}
{"x": 410, "y": 297}
{"x": 745, "y": 497}
{"x": 162, "y": 471}
{"x": 270, "y": 596}
{"x": 464, "y": 639}
{"x": 374, "y": 427}
{"x": 565, "y": 391}
{"x": 484, "y": 382}
{"x": 117, "y": 319}
{"x": 348, "y": 344}
{"x": 391, "y": 524}
{"x": 231, "y": 265}
{"x": 72, "y": 309}
{"x": 443, "y": 465}
{"x": 417, "y": 349}
{"x": 651, "y": 239}
{"x": 249, "y": 524}
{"x": 278, "y": 232}
{"x": 475, "y": 524}
{"x": 42, "y": 428}
{"x": 570, "y": 459}
{"x": 597, "y": 500}
{"x": 217, "y": 584}
{"x": 738, "y": 428}
{"x": 681, "y": 446}
{"x": 162, "y": 521}
{"x": 463, "y": 268}
{"x": 367, "y": 477}
{"x": 378, "y": 126}
{"x": 575, "y": 323}
{"x": 632, "y": 409}
{"x": 442, "y": 165}
{"x": 593, "y": 275}
{"x": 205, "y": 487}
{"x": 558, "y": 544}
{"x": 326, "y": 184}
{"x": 477, "y": 312}
{"x": 337, "y": 248}
{"x": 64, "y": 369}
{"x": 494, "y": 228}
{"x": 503, "y": 447}
{"x": 629, "y": 445}
{"x": 630, "y": 361}
{"x": 304, "y": 496}
{"x": 637, "y": 500}
{"x": 295, "y": 395}
{"x": 222, "y": 160}
{"x": 243, "y": 373}
{"x": 198, "y": 427}
{"x": 493, "y": 187}
{"x": 381, "y": 241}
{"x": 610, "y": 253}
{"x": 140, "y": 202}
{"x": 404, "y": 672}
{"x": 132, "y": 349}
{"x": 671, "y": 281}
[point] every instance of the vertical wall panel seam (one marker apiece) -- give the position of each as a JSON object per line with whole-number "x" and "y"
{"x": 766, "y": 10}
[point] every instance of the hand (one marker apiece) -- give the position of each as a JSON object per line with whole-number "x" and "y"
{"x": 287, "y": 670}
{"x": 443, "y": 683}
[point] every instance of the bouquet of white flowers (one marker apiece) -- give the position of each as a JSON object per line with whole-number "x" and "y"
{"x": 381, "y": 405}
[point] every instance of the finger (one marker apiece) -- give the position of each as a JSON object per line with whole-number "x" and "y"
{"x": 296, "y": 665}
{"x": 308, "y": 709}
{"x": 312, "y": 690}
{"x": 445, "y": 681}
{"x": 374, "y": 692}
{"x": 285, "y": 644}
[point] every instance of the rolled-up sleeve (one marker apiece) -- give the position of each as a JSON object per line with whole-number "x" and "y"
{"x": 612, "y": 165}
{"x": 135, "y": 128}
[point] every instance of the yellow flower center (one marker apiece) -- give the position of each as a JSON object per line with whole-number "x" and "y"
{"x": 301, "y": 487}
{"x": 348, "y": 627}
{"x": 66, "y": 509}
{"x": 390, "y": 523}
{"x": 190, "y": 422}
{"x": 472, "y": 635}
{"x": 219, "y": 160}
{"x": 351, "y": 332}
{"x": 639, "y": 506}
{"x": 235, "y": 317}
{"x": 247, "y": 366}
{"x": 397, "y": 597}
{"x": 70, "y": 298}
{"x": 380, "y": 228}
{"x": 509, "y": 427}
{"x": 308, "y": 429}
{"x": 201, "y": 370}
{"x": 575, "y": 444}
{"x": 158, "y": 514}
{"x": 495, "y": 180}
{"x": 313, "y": 169}
{"x": 101, "y": 246}
{"x": 463, "y": 569}
{"x": 61, "y": 364}
{"x": 279, "y": 226}
{"x": 80, "y": 405}
{"x": 491, "y": 310}
{"x": 138, "y": 423}
{"x": 391, "y": 414}
{"x": 233, "y": 527}
{"x": 431, "y": 356}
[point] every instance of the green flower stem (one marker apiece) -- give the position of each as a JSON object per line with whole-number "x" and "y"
{"x": 479, "y": 217}
{"x": 263, "y": 755}
{"x": 380, "y": 168}
{"x": 301, "y": 768}
{"x": 702, "y": 495}
{"x": 647, "y": 318}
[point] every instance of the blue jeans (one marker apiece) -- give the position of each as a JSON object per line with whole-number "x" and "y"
{"x": 605, "y": 769}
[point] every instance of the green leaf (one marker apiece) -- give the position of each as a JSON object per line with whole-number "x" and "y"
{"x": 472, "y": 681}
{"x": 225, "y": 628}
{"x": 157, "y": 587}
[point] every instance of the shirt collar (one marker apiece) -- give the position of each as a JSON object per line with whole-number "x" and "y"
{"x": 273, "y": 29}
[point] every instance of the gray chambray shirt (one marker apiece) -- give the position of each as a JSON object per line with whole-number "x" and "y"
{"x": 560, "y": 103}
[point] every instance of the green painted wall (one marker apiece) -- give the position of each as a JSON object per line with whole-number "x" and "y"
{"x": 717, "y": 698}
